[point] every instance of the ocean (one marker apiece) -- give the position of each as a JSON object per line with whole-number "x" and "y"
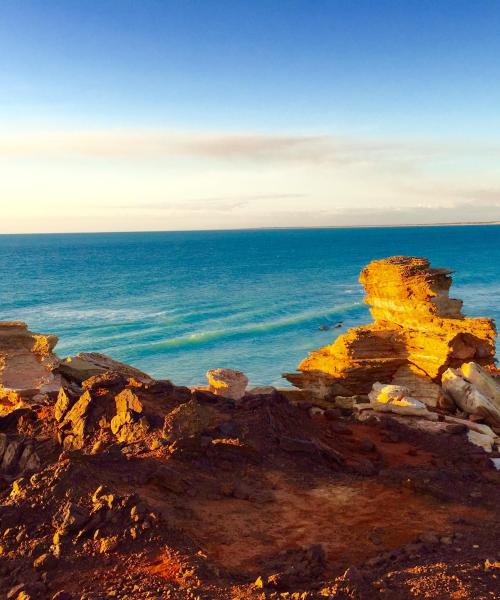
{"x": 175, "y": 304}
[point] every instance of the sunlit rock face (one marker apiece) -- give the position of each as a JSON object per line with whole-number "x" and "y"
{"x": 418, "y": 333}
{"x": 26, "y": 358}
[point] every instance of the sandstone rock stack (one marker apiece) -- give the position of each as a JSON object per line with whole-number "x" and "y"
{"x": 419, "y": 332}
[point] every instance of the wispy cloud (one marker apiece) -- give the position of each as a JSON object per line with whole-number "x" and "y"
{"x": 212, "y": 203}
{"x": 311, "y": 149}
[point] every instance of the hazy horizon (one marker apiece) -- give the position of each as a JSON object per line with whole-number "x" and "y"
{"x": 165, "y": 116}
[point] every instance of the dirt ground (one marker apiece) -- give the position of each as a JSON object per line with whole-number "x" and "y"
{"x": 271, "y": 503}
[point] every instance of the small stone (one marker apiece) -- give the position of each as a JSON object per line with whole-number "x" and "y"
{"x": 491, "y": 563}
{"x": 15, "y": 591}
{"x": 259, "y": 583}
{"x": 45, "y": 561}
{"x": 108, "y": 545}
{"x": 155, "y": 444}
{"x": 428, "y": 538}
{"x": 62, "y": 595}
{"x": 316, "y": 411}
{"x": 96, "y": 448}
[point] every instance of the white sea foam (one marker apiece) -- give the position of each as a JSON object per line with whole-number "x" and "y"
{"x": 201, "y": 337}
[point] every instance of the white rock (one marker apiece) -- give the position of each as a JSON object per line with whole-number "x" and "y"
{"x": 479, "y": 395}
{"x": 393, "y": 394}
{"x": 227, "y": 383}
{"x": 410, "y": 411}
{"x": 479, "y": 427}
{"x": 482, "y": 381}
{"x": 496, "y": 463}
{"x": 481, "y": 439}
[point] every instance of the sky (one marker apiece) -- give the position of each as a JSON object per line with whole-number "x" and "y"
{"x": 119, "y": 115}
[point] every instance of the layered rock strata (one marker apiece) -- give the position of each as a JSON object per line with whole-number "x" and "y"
{"x": 418, "y": 333}
{"x": 26, "y": 362}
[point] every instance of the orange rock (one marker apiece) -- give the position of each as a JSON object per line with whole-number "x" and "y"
{"x": 26, "y": 358}
{"x": 419, "y": 332}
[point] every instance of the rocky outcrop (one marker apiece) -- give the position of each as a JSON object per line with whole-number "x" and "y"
{"x": 418, "y": 333}
{"x": 165, "y": 491}
{"x": 88, "y": 364}
{"x": 26, "y": 362}
{"x": 227, "y": 383}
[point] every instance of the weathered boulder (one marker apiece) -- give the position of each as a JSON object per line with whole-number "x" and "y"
{"x": 26, "y": 360}
{"x": 474, "y": 392}
{"x": 89, "y": 364}
{"x": 483, "y": 440}
{"x": 420, "y": 386}
{"x": 128, "y": 425}
{"x": 63, "y": 404}
{"x": 74, "y": 426}
{"x": 183, "y": 426}
{"x": 393, "y": 394}
{"x": 227, "y": 383}
{"x": 418, "y": 333}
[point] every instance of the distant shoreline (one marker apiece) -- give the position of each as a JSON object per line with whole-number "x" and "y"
{"x": 278, "y": 228}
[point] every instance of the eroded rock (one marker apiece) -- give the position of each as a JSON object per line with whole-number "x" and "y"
{"x": 227, "y": 383}
{"x": 89, "y": 364}
{"x": 418, "y": 333}
{"x": 474, "y": 392}
{"x": 26, "y": 361}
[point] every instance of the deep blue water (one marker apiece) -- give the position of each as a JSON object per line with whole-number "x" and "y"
{"x": 176, "y": 304}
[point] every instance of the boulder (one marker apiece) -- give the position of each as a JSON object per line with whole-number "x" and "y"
{"x": 420, "y": 386}
{"x": 128, "y": 424}
{"x": 418, "y": 333}
{"x": 26, "y": 359}
{"x": 89, "y": 364}
{"x": 482, "y": 440}
{"x": 393, "y": 394}
{"x": 474, "y": 392}
{"x": 184, "y": 425}
{"x": 227, "y": 383}
{"x": 62, "y": 405}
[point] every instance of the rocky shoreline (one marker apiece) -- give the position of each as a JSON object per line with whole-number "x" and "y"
{"x": 377, "y": 477}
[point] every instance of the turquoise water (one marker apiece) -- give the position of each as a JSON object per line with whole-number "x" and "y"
{"x": 176, "y": 304}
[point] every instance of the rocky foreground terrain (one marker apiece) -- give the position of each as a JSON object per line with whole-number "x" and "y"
{"x": 376, "y": 478}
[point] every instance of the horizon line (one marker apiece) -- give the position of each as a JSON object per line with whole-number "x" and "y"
{"x": 385, "y": 226}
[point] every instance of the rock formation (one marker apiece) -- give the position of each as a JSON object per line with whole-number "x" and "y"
{"x": 87, "y": 364}
{"x": 227, "y": 383}
{"x": 474, "y": 392}
{"x": 418, "y": 333}
{"x": 26, "y": 362}
{"x": 124, "y": 486}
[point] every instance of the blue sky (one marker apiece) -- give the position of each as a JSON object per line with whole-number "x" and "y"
{"x": 195, "y": 114}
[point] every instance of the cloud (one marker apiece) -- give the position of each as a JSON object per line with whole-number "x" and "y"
{"x": 134, "y": 179}
{"x": 212, "y": 203}
{"x": 319, "y": 150}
